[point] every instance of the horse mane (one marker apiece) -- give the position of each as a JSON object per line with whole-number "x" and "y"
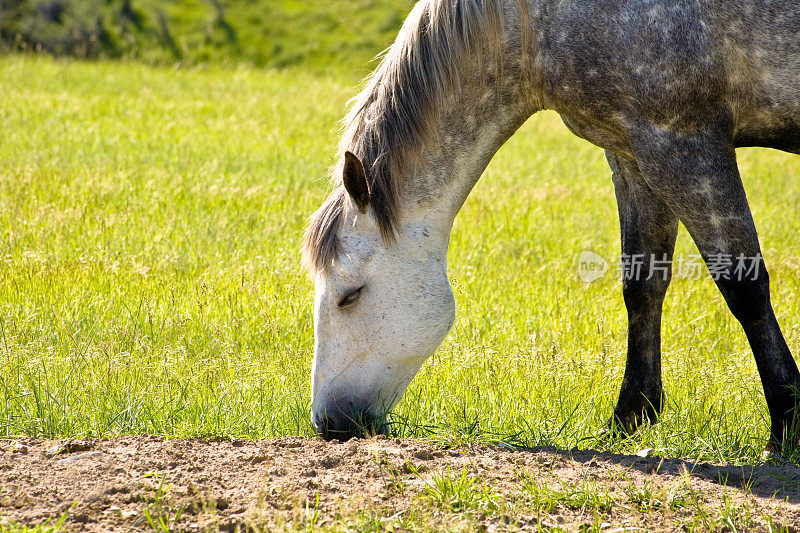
{"x": 388, "y": 122}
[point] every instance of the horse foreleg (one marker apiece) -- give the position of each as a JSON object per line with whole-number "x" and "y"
{"x": 648, "y": 229}
{"x": 696, "y": 174}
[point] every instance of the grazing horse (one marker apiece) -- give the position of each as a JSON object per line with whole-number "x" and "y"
{"x": 669, "y": 88}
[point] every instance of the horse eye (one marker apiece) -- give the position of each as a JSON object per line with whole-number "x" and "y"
{"x": 351, "y": 297}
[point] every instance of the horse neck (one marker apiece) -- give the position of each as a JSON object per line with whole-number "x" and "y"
{"x": 473, "y": 124}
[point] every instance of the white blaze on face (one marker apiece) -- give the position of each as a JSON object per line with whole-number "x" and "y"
{"x": 379, "y": 312}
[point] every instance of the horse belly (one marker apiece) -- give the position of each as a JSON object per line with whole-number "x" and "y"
{"x": 769, "y": 115}
{"x": 762, "y": 61}
{"x": 778, "y": 134}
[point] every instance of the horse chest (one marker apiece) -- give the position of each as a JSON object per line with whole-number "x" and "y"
{"x": 610, "y": 136}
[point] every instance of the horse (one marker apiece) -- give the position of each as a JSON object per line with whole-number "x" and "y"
{"x": 668, "y": 88}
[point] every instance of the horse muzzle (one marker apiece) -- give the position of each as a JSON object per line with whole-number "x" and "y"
{"x": 345, "y": 424}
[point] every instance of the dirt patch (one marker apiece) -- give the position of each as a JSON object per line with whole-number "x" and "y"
{"x": 145, "y": 483}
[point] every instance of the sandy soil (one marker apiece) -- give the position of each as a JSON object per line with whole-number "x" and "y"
{"x": 114, "y": 485}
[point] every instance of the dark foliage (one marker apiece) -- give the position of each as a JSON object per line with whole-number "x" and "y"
{"x": 83, "y": 28}
{"x": 60, "y": 27}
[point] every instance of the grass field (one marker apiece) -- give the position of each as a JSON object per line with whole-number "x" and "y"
{"x": 320, "y": 36}
{"x": 150, "y": 282}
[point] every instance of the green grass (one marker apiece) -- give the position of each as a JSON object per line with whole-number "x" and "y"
{"x": 461, "y": 492}
{"x": 49, "y": 526}
{"x": 320, "y": 36}
{"x": 150, "y": 221}
{"x": 323, "y": 36}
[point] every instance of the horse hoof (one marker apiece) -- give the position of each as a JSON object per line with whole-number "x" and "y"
{"x": 777, "y": 452}
{"x": 627, "y": 424}
{"x": 618, "y": 428}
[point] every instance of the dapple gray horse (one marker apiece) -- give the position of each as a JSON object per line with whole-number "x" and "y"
{"x": 669, "y": 88}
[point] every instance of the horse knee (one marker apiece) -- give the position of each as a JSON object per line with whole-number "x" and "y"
{"x": 643, "y": 296}
{"x": 748, "y": 299}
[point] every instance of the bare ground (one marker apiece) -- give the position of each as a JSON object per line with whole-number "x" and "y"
{"x": 141, "y": 483}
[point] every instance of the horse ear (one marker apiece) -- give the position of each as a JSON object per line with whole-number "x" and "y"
{"x": 354, "y": 178}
